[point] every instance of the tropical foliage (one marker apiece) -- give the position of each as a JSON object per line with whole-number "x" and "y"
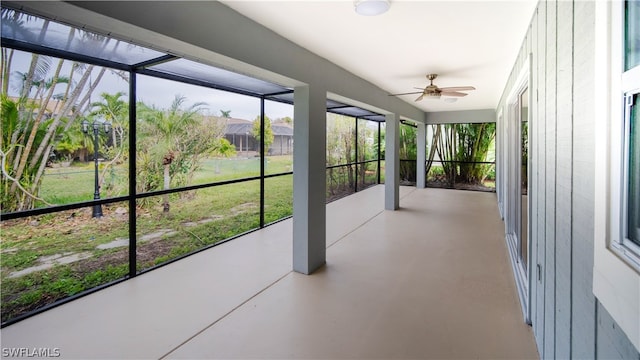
{"x": 462, "y": 149}
{"x": 268, "y": 131}
{"x": 408, "y": 150}
{"x": 172, "y": 143}
{"x": 51, "y": 96}
{"x": 343, "y": 143}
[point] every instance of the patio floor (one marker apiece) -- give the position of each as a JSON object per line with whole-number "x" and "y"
{"x": 431, "y": 280}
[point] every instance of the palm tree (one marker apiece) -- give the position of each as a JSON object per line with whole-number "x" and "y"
{"x": 113, "y": 109}
{"x": 162, "y": 132}
{"x": 27, "y": 148}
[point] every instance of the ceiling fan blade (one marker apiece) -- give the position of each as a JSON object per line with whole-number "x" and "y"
{"x": 457, "y": 88}
{"x": 453, "y": 93}
{"x": 409, "y": 93}
{"x": 420, "y": 97}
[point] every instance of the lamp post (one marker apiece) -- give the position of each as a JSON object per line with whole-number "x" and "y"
{"x": 97, "y": 209}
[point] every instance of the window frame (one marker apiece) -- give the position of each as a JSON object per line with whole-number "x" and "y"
{"x": 513, "y": 187}
{"x": 623, "y": 92}
{"x": 623, "y": 245}
{"x": 615, "y": 282}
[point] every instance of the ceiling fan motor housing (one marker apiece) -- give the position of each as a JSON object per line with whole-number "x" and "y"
{"x": 431, "y": 89}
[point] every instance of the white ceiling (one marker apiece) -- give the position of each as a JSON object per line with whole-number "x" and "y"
{"x": 465, "y": 42}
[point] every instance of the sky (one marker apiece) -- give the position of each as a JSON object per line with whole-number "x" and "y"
{"x": 161, "y": 93}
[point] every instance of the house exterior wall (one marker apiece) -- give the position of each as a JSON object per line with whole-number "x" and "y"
{"x": 282, "y": 145}
{"x": 567, "y": 319}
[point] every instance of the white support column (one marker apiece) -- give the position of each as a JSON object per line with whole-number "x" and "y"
{"x": 392, "y": 163}
{"x": 421, "y": 142}
{"x": 309, "y": 179}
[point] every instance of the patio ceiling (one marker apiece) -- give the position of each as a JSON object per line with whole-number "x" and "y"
{"x": 465, "y": 42}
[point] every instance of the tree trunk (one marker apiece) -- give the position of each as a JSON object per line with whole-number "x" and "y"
{"x": 36, "y": 124}
{"x": 167, "y": 181}
{"x": 26, "y": 87}
{"x": 66, "y": 110}
{"x": 7, "y": 57}
{"x": 166, "y": 162}
{"x": 434, "y": 147}
{"x": 24, "y": 94}
{"x": 34, "y": 129}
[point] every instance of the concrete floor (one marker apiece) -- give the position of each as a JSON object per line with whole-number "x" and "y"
{"x": 431, "y": 280}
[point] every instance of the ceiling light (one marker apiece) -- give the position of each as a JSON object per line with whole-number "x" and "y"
{"x": 450, "y": 100}
{"x": 372, "y": 7}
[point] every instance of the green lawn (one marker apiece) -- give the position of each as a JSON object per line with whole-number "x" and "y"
{"x": 196, "y": 219}
{"x": 76, "y": 183}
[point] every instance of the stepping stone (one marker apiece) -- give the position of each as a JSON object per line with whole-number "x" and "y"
{"x": 121, "y": 242}
{"x": 47, "y": 262}
{"x": 118, "y": 242}
{"x": 203, "y": 221}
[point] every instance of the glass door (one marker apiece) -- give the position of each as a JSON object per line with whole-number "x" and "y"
{"x": 523, "y": 245}
{"x": 517, "y": 185}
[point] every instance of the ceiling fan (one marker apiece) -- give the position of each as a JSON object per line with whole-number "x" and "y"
{"x": 434, "y": 92}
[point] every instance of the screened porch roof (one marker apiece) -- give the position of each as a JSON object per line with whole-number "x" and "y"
{"x": 35, "y": 34}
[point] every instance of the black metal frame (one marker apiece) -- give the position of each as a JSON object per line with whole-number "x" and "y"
{"x": 133, "y": 196}
{"x": 379, "y": 158}
{"x": 452, "y": 161}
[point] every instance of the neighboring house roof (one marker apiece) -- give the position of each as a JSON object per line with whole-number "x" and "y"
{"x": 243, "y": 127}
{"x": 53, "y": 106}
{"x": 238, "y": 127}
{"x": 282, "y": 128}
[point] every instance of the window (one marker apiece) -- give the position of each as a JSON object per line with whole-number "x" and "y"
{"x": 632, "y": 177}
{"x": 632, "y": 34}
{"x": 627, "y": 244}
{"x": 616, "y": 271}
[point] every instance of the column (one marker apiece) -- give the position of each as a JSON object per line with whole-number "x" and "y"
{"x": 392, "y": 163}
{"x": 309, "y": 179}
{"x": 421, "y": 142}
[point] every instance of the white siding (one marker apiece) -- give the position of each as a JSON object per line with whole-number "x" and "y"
{"x": 567, "y": 320}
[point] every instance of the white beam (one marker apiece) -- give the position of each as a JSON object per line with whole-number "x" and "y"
{"x": 461, "y": 117}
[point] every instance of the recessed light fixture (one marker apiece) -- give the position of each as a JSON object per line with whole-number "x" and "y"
{"x": 372, "y": 7}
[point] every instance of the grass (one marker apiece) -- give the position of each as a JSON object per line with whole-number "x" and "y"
{"x": 196, "y": 219}
{"x": 56, "y": 187}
